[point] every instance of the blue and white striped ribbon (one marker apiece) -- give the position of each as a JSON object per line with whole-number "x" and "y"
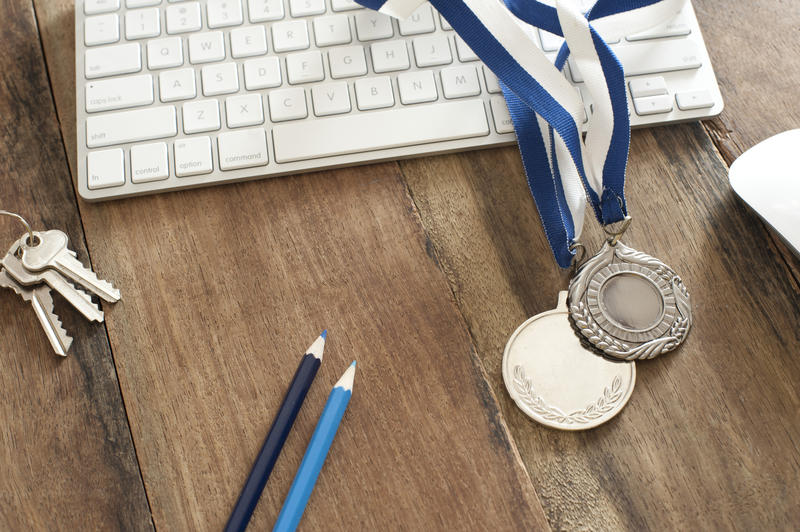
{"x": 563, "y": 169}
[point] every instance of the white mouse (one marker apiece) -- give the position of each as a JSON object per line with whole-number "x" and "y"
{"x": 767, "y": 178}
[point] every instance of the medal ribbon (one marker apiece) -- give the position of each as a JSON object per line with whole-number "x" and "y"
{"x": 562, "y": 168}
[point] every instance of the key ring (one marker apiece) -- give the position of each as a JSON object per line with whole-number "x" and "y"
{"x": 31, "y": 236}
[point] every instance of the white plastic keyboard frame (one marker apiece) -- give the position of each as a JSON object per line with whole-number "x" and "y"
{"x": 702, "y": 78}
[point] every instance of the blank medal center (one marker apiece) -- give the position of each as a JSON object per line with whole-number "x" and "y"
{"x": 631, "y": 301}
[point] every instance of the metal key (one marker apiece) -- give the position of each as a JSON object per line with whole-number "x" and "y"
{"x": 77, "y": 298}
{"x": 53, "y": 253}
{"x": 42, "y": 302}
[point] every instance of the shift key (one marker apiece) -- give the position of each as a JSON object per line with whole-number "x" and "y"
{"x": 131, "y": 126}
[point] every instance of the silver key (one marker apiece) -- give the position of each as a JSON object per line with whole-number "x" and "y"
{"x": 39, "y": 297}
{"x": 53, "y": 253}
{"x": 77, "y": 298}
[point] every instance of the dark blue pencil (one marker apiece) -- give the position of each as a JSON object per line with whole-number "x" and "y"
{"x": 283, "y": 422}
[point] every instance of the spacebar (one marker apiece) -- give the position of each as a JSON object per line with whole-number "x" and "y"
{"x": 375, "y": 130}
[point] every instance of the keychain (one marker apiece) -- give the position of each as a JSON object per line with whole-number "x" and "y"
{"x": 41, "y": 261}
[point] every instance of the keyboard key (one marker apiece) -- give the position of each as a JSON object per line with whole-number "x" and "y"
{"x": 304, "y": 67}
{"x": 224, "y": 13}
{"x": 141, "y": 3}
{"x": 95, "y": 7}
{"x": 119, "y": 93}
{"x": 502, "y": 118}
{"x": 164, "y": 53}
{"x": 202, "y": 116}
{"x": 651, "y": 105}
{"x": 149, "y": 162}
{"x": 420, "y": 21}
{"x": 674, "y": 28}
{"x": 184, "y": 17}
{"x": 550, "y": 41}
{"x": 492, "y": 85}
{"x": 332, "y": 30}
{"x": 417, "y": 87}
{"x": 290, "y": 35}
{"x": 265, "y": 10}
{"x": 331, "y": 98}
{"x": 460, "y": 81}
{"x": 374, "y": 93}
{"x": 102, "y": 29}
{"x": 371, "y": 26}
{"x": 445, "y": 25}
{"x": 304, "y": 8}
{"x": 347, "y": 61}
{"x": 432, "y": 51}
{"x": 177, "y": 85}
{"x": 465, "y": 53}
{"x": 206, "y": 47}
{"x": 393, "y": 128}
{"x": 344, "y": 5}
{"x": 648, "y": 87}
{"x": 105, "y": 168}
{"x": 390, "y": 56}
{"x": 242, "y": 149}
{"x": 131, "y": 126}
{"x": 248, "y": 42}
{"x": 262, "y": 73}
{"x": 142, "y": 23}
{"x": 652, "y": 58}
{"x": 245, "y": 110}
{"x": 193, "y": 157}
{"x": 220, "y": 79}
{"x": 287, "y": 104}
{"x": 700, "y": 99}
{"x": 112, "y": 60}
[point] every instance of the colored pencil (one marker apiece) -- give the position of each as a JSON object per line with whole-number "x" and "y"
{"x": 317, "y": 450}
{"x": 276, "y": 437}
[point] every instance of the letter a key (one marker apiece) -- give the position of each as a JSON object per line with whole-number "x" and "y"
{"x": 53, "y": 253}
{"x": 39, "y": 297}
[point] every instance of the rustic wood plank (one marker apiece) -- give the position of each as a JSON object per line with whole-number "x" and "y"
{"x": 709, "y": 439}
{"x": 760, "y": 85}
{"x": 224, "y": 288}
{"x": 67, "y": 457}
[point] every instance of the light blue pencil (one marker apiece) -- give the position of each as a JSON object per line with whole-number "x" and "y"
{"x": 307, "y": 474}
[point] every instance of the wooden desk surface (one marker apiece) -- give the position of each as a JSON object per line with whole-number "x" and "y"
{"x": 420, "y": 269}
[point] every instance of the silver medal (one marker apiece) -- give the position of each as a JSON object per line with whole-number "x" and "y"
{"x": 559, "y": 383}
{"x": 629, "y": 305}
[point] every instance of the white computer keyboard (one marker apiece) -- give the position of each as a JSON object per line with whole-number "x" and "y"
{"x": 179, "y": 94}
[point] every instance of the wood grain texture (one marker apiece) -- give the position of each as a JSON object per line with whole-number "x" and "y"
{"x": 709, "y": 438}
{"x": 758, "y": 73}
{"x": 67, "y": 458}
{"x": 224, "y": 289}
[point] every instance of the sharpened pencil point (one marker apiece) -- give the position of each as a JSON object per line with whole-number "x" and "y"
{"x": 318, "y": 346}
{"x": 346, "y": 381}
{"x": 324, "y": 334}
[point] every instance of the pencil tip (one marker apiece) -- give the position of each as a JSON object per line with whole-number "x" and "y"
{"x": 324, "y": 334}
{"x": 318, "y": 346}
{"x": 346, "y": 381}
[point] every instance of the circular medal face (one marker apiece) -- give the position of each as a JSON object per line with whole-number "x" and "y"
{"x": 557, "y": 381}
{"x": 628, "y": 304}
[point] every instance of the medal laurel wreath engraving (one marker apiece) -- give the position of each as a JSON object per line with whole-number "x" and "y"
{"x": 629, "y": 305}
